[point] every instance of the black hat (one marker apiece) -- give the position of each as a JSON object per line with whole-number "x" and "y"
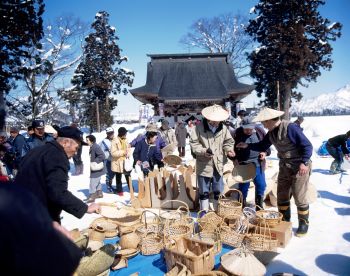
{"x": 71, "y": 132}
{"x": 122, "y": 131}
{"x": 38, "y": 124}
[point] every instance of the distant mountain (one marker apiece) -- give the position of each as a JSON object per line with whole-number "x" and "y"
{"x": 326, "y": 104}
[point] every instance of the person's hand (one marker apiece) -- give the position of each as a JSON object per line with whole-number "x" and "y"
{"x": 93, "y": 208}
{"x": 303, "y": 169}
{"x": 242, "y": 145}
{"x": 58, "y": 227}
{"x": 231, "y": 154}
{"x": 208, "y": 155}
{"x": 139, "y": 162}
{"x": 347, "y": 157}
{"x": 262, "y": 155}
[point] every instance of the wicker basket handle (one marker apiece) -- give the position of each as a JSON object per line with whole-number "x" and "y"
{"x": 144, "y": 214}
{"x": 230, "y": 192}
{"x": 183, "y": 208}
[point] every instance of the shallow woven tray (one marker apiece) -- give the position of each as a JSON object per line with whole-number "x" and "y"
{"x": 128, "y": 253}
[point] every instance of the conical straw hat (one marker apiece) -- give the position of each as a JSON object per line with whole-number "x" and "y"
{"x": 50, "y": 129}
{"x": 215, "y": 113}
{"x": 267, "y": 114}
{"x": 244, "y": 173}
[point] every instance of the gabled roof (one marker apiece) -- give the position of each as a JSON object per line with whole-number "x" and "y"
{"x": 171, "y": 77}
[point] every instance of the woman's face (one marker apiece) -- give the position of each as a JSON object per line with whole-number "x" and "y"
{"x": 152, "y": 140}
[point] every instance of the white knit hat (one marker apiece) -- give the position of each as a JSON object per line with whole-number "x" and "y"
{"x": 267, "y": 114}
{"x": 215, "y": 113}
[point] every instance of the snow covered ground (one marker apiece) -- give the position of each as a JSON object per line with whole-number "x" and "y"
{"x": 325, "y": 250}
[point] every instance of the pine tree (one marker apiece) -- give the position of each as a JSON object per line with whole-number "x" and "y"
{"x": 294, "y": 46}
{"x": 20, "y": 28}
{"x": 99, "y": 76}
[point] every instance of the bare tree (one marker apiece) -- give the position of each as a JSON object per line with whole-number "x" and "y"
{"x": 48, "y": 65}
{"x": 222, "y": 34}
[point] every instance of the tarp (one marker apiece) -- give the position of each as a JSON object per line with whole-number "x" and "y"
{"x": 152, "y": 265}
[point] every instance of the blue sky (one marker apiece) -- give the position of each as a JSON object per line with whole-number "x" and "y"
{"x": 156, "y": 26}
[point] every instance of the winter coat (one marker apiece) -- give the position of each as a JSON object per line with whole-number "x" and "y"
{"x": 44, "y": 171}
{"x": 339, "y": 141}
{"x": 36, "y": 141}
{"x": 181, "y": 134}
{"x": 220, "y": 143}
{"x": 247, "y": 155}
{"x": 96, "y": 155}
{"x": 118, "y": 155}
{"x": 147, "y": 152}
{"x": 160, "y": 143}
{"x": 168, "y": 135}
{"x": 17, "y": 147}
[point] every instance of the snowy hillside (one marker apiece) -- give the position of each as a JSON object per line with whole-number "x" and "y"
{"x": 337, "y": 103}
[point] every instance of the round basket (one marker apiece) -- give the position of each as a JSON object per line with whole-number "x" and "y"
{"x": 97, "y": 233}
{"x": 208, "y": 222}
{"x": 173, "y": 215}
{"x": 111, "y": 229}
{"x": 228, "y": 206}
{"x": 176, "y": 230}
{"x": 271, "y": 218}
{"x": 244, "y": 173}
{"x": 172, "y": 160}
{"x": 147, "y": 227}
{"x": 211, "y": 238}
{"x": 151, "y": 244}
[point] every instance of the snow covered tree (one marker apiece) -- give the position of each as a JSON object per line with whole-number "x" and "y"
{"x": 222, "y": 34}
{"x": 20, "y": 29}
{"x": 99, "y": 76}
{"x": 294, "y": 46}
{"x": 46, "y": 66}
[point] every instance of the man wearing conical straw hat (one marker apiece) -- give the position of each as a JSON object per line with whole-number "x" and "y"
{"x": 294, "y": 151}
{"x": 211, "y": 143}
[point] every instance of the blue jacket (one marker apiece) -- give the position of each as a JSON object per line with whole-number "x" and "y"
{"x": 35, "y": 141}
{"x": 160, "y": 143}
{"x": 147, "y": 152}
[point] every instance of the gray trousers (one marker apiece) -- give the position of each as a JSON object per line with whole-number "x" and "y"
{"x": 95, "y": 185}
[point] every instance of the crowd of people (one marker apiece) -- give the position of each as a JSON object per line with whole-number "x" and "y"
{"x": 39, "y": 163}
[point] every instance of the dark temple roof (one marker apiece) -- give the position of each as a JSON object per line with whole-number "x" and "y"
{"x": 190, "y": 77}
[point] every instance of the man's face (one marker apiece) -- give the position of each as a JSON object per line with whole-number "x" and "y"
{"x": 39, "y": 131}
{"x": 13, "y": 134}
{"x": 269, "y": 124}
{"x": 71, "y": 147}
{"x": 110, "y": 135}
{"x": 213, "y": 123}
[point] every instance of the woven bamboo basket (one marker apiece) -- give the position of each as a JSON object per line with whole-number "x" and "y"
{"x": 212, "y": 273}
{"x": 230, "y": 237}
{"x": 146, "y": 227}
{"x": 97, "y": 233}
{"x": 271, "y": 218}
{"x": 209, "y": 222}
{"x": 173, "y": 215}
{"x": 197, "y": 256}
{"x": 261, "y": 239}
{"x": 211, "y": 238}
{"x": 127, "y": 214}
{"x": 228, "y": 206}
{"x": 111, "y": 229}
{"x": 151, "y": 244}
{"x": 176, "y": 230}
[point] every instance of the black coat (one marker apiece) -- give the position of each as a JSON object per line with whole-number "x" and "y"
{"x": 29, "y": 243}
{"x": 44, "y": 171}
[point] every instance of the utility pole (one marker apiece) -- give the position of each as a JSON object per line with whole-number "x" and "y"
{"x": 278, "y": 96}
{"x": 98, "y": 116}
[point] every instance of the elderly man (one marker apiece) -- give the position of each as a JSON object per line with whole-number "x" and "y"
{"x": 211, "y": 143}
{"x": 294, "y": 151}
{"x": 44, "y": 171}
{"x": 167, "y": 133}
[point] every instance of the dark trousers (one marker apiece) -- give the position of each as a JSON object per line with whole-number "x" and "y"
{"x": 181, "y": 151}
{"x": 118, "y": 180}
{"x": 77, "y": 157}
{"x": 109, "y": 173}
{"x": 336, "y": 154}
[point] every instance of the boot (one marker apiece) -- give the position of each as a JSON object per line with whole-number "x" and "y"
{"x": 204, "y": 204}
{"x": 91, "y": 198}
{"x": 303, "y": 216}
{"x": 259, "y": 202}
{"x": 99, "y": 194}
{"x": 334, "y": 166}
{"x": 284, "y": 209}
{"x": 215, "y": 205}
